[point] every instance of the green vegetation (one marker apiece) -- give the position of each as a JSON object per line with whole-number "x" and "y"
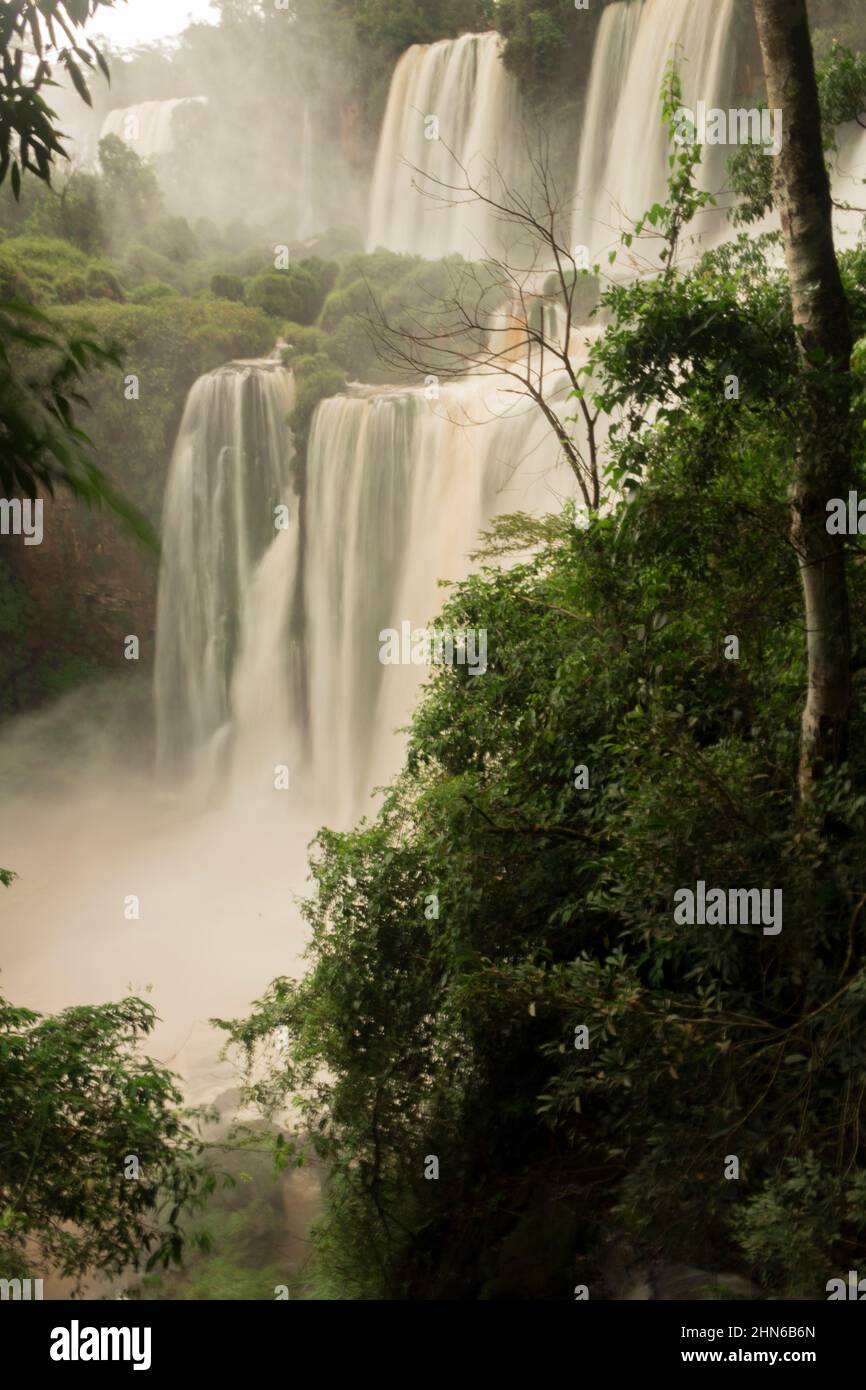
{"x": 345, "y": 343}
{"x": 40, "y": 442}
{"x": 52, "y": 638}
{"x": 842, "y": 94}
{"x": 251, "y": 1238}
{"x": 227, "y": 287}
{"x": 52, "y": 31}
{"x": 76, "y": 1102}
{"x": 548, "y": 45}
{"x": 171, "y": 315}
{"x": 167, "y": 345}
{"x": 296, "y": 293}
{"x": 86, "y": 311}
{"x": 612, "y": 755}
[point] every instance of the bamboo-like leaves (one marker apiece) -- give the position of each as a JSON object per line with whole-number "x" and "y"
{"x": 49, "y": 29}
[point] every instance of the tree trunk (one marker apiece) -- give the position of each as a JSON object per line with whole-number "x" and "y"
{"x": 822, "y": 446}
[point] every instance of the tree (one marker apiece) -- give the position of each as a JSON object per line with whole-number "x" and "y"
{"x": 841, "y": 77}
{"x": 72, "y": 211}
{"x": 130, "y": 191}
{"x": 452, "y": 1033}
{"x": 516, "y": 313}
{"x": 823, "y": 449}
{"x": 295, "y": 294}
{"x": 40, "y": 442}
{"x": 96, "y": 1159}
{"x": 460, "y": 334}
{"x": 548, "y": 44}
{"x": 51, "y": 32}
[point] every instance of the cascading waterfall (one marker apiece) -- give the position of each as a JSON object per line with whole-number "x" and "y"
{"x": 147, "y": 126}
{"x": 849, "y": 177}
{"x": 399, "y": 487}
{"x": 610, "y": 60}
{"x": 463, "y": 84}
{"x": 212, "y": 855}
{"x": 622, "y": 163}
{"x": 622, "y": 151}
{"x": 231, "y": 470}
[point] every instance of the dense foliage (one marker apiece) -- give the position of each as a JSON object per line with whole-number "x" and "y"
{"x": 344, "y": 344}
{"x": 518, "y": 885}
{"x": 41, "y": 441}
{"x": 77, "y": 1103}
{"x": 548, "y": 44}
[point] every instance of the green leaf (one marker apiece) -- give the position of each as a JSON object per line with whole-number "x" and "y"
{"x": 78, "y": 80}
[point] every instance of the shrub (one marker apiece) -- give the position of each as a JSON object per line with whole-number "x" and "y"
{"x": 352, "y": 347}
{"x": 174, "y": 238}
{"x": 354, "y": 299}
{"x": 316, "y": 377}
{"x": 296, "y": 294}
{"x": 151, "y": 291}
{"x": 273, "y": 293}
{"x": 14, "y": 284}
{"x": 227, "y": 287}
{"x": 142, "y": 263}
{"x": 102, "y": 283}
{"x": 71, "y": 289}
{"x": 55, "y": 269}
{"x": 302, "y": 341}
{"x": 324, "y": 275}
{"x": 73, "y": 213}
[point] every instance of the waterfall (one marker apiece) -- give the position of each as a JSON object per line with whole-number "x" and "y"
{"x": 610, "y": 60}
{"x": 146, "y": 127}
{"x": 399, "y": 487}
{"x": 849, "y": 179}
{"x": 231, "y": 469}
{"x": 461, "y": 84}
{"x": 622, "y": 163}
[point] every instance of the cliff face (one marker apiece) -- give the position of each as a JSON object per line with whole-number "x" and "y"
{"x": 355, "y": 145}
{"x": 67, "y": 605}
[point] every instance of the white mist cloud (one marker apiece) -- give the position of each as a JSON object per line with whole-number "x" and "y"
{"x": 144, "y": 21}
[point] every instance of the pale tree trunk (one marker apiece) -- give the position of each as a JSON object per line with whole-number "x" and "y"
{"x": 822, "y": 446}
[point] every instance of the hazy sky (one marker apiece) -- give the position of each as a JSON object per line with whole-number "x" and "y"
{"x": 142, "y": 21}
